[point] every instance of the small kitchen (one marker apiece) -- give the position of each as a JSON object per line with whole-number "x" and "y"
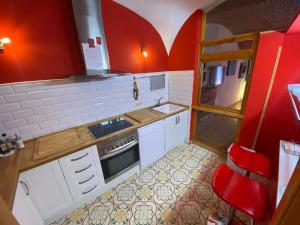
{"x": 90, "y": 160}
{"x": 86, "y": 134}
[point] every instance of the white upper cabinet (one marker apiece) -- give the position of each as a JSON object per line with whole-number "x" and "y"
{"x": 48, "y": 190}
{"x": 175, "y": 130}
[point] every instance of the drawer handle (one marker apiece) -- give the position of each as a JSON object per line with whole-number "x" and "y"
{"x": 79, "y": 171}
{"x": 81, "y": 157}
{"x": 26, "y": 186}
{"x": 178, "y": 119}
{"x": 85, "y": 192}
{"x": 82, "y": 182}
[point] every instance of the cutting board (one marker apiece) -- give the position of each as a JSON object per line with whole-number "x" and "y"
{"x": 144, "y": 115}
{"x": 56, "y": 143}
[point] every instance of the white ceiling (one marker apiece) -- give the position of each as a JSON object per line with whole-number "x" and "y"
{"x": 167, "y": 16}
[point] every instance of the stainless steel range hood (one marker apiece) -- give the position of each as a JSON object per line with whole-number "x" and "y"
{"x": 89, "y": 23}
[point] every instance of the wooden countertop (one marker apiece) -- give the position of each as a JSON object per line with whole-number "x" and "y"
{"x": 28, "y": 157}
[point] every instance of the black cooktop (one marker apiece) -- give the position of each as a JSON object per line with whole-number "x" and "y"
{"x": 109, "y": 127}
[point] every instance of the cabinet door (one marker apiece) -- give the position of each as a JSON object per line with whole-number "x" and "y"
{"x": 175, "y": 130}
{"x": 151, "y": 143}
{"x": 171, "y": 132}
{"x": 182, "y": 127}
{"x": 24, "y": 210}
{"x": 48, "y": 190}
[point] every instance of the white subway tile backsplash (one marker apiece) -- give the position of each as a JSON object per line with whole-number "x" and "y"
{"x": 37, "y": 94}
{"x": 22, "y": 114}
{"x": 30, "y": 104}
{"x": 4, "y": 117}
{"x": 26, "y": 87}
{"x": 39, "y": 108}
{"x": 41, "y": 132}
{"x": 16, "y": 97}
{"x": 6, "y": 89}
{"x": 11, "y": 132}
{"x": 54, "y": 115}
{"x": 9, "y": 107}
{"x": 48, "y": 124}
{"x": 29, "y": 129}
{"x": 43, "y": 110}
{"x": 2, "y": 100}
{"x": 15, "y": 124}
{"x": 26, "y": 136}
{"x": 36, "y": 119}
{"x": 2, "y": 128}
{"x": 65, "y": 119}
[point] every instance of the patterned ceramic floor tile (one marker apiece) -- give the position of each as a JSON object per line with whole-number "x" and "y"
{"x": 175, "y": 190}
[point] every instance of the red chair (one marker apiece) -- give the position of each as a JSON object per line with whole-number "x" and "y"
{"x": 249, "y": 160}
{"x": 240, "y": 192}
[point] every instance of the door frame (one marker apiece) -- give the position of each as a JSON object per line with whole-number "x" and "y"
{"x": 203, "y": 57}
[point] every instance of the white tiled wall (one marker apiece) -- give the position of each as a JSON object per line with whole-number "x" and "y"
{"x": 181, "y": 89}
{"x": 181, "y": 86}
{"x": 33, "y": 109}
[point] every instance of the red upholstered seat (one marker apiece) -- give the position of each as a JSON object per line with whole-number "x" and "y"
{"x": 250, "y": 161}
{"x": 241, "y": 192}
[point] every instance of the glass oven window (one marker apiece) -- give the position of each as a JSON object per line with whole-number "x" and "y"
{"x": 118, "y": 163}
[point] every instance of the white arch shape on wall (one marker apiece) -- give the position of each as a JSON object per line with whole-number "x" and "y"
{"x": 166, "y": 16}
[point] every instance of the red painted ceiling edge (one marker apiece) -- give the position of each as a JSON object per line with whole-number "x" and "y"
{"x": 183, "y": 50}
{"x": 295, "y": 26}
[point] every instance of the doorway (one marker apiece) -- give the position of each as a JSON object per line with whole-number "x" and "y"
{"x": 222, "y": 82}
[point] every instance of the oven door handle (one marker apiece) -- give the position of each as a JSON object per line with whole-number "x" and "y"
{"x": 120, "y": 150}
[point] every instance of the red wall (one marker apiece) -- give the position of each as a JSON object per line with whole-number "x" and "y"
{"x": 261, "y": 77}
{"x": 182, "y": 53}
{"x": 44, "y": 40}
{"x": 45, "y": 44}
{"x": 279, "y": 122}
{"x": 295, "y": 27}
{"x": 126, "y": 33}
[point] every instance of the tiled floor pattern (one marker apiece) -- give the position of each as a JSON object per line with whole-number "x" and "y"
{"x": 175, "y": 190}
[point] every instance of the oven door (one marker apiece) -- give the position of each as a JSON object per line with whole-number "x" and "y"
{"x": 118, "y": 162}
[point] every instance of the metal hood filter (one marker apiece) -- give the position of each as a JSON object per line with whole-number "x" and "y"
{"x": 89, "y": 23}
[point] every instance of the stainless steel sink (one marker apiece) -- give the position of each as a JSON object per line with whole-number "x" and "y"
{"x": 168, "y": 108}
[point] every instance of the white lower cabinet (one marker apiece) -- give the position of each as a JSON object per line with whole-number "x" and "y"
{"x": 48, "y": 190}
{"x": 175, "y": 130}
{"x": 151, "y": 143}
{"x": 24, "y": 209}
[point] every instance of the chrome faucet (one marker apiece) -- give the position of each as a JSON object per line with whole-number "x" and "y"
{"x": 158, "y": 101}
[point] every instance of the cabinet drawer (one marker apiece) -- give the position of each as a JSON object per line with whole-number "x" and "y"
{"x": 92, "y": 189}
{"x": 83, "y": 173}
{"x": 77, "y": 158}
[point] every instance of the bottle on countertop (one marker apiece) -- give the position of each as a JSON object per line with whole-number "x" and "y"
{"x": 3, "y": 147}
{"x": 18, "y": 142}
{"x": 7, "y": 141}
